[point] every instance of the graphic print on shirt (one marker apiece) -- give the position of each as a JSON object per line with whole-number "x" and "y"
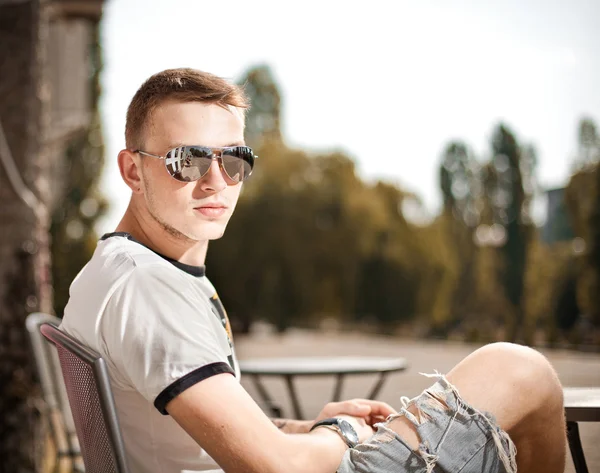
{"x": 222, "y": 314}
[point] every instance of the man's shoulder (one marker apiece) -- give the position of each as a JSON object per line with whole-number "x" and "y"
{"x": 120, "y": 270}
{"x": 118, "y": 257}
{"x": 115, "y": 260}
{"x": 118, "y": 249}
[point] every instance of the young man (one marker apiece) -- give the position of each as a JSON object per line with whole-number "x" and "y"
{"x": 144, "y": 303}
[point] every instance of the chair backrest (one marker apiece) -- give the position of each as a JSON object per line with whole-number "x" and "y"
{"x": 53, "y": 387}
{"x": 92, "y": 403}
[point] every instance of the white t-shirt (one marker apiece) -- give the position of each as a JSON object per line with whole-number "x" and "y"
{"x": 161, "y": 328}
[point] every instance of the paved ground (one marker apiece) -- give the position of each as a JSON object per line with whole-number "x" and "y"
{"x": 574, "y": 369}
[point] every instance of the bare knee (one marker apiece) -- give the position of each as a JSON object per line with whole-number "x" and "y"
{"x": 534, "y": 415}
{"x": 513, "y": 381}
{"x": 526, "y": 370}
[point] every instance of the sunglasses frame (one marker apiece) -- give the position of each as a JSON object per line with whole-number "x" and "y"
{"x": 217, "y": 153}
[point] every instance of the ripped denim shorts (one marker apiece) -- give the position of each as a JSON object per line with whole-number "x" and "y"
{"x": 455, "y": 438}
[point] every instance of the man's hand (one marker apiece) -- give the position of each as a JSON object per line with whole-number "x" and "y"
{"x": 370, "y": 411}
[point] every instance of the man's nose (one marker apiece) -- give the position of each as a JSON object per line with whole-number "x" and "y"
{"x": 213, "y": 180}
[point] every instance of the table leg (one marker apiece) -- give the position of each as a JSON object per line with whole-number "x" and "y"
{"x": 575, "y": 447}
{"x": 375, "y": 391}
{"x": 289, "y": 380}
{"x": 337, "y": 391}
{"x": 264, "y": 395}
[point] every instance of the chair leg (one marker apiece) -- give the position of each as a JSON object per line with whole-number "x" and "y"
{"x": 576, "y": 448}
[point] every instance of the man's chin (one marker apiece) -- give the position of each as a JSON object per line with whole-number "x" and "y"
{"x": 205, "y": 234}
{"x": 217, "y": 235}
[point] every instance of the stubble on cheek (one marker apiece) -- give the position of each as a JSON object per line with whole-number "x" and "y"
{"x": 154, "y": 214}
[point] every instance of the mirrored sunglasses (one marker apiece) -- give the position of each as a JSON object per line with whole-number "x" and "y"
{"x": 190, "y": 163}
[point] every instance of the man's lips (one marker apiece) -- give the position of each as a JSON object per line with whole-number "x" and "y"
{"x": 211, "y": 209}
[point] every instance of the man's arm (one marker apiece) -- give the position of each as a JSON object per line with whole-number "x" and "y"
{"x": 226, "y": 422}
{"x": 293, "y": 426}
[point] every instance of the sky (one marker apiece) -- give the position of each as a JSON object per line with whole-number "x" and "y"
{"x": 357, "y": 76}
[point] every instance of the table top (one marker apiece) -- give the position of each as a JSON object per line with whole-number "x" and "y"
{"x": 313, "y": 365}
{"x": 582, "y": 404}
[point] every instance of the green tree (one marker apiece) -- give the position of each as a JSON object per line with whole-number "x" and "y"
{"x": 296, "y": 262}
{"x": 296, "y": 211}
{"x": 566, "y": 308}
{"x": 512, "y": 166}
{"x": 589, "y": 143}
{"x": 550, "y": 295}
{"x": 461, "y": 190}
{"x": 583, "y": 201}
{"x": 392, "y": 266}
{"x": 264, "y": 117}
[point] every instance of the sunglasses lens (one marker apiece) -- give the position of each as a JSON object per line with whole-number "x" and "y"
{"x": 238, "y": 162}
{"x": 188, "y": 163}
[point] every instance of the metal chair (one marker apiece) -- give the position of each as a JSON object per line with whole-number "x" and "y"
{"x": 91, "y": 400}
{"x": 581, "y": 405}
{"x": 56, "y": 404}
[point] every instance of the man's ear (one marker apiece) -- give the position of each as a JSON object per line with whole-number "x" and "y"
{"x": 130, "y": 168}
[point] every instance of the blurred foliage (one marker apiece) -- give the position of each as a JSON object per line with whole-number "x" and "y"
{"x": 512, "y": 166}
{"x": 313, "y": 242}
{"x": 264, "y": 116}
{"x": 72, "y": 229}
{"x": 462, "y": 189}
{"x": 486, "y": 219}
{"x": 583, "y": 201}
{"x": 309, "y": 233}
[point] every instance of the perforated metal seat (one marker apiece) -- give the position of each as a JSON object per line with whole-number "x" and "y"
{"x": 92, "y": 404}
{"x": 56, "y": 404}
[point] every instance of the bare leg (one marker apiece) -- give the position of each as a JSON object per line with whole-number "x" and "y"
{"x": 520, "y": 388}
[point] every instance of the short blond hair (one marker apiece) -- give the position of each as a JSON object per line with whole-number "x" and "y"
{"x": 183, "y": 85}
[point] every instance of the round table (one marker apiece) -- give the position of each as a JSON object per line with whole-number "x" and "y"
{"x": 338, "y": 366}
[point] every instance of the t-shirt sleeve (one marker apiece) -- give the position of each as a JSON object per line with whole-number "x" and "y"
{"x": 164, "y": 334}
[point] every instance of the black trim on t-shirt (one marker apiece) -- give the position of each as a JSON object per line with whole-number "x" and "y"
{"x": 187, "y": 381}
{"x": 222, "y": 316}
{"x": 198, "y": 271}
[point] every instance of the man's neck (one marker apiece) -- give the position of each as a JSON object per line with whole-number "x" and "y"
{"x": 146, "y": 230}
